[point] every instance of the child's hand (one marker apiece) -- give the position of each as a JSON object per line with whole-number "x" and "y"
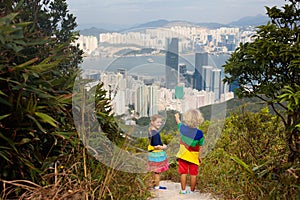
{"x": 161, "y": 147}
{"x": 177, "y": 118}
{"x": 200, "y": 159}
{"x": 164, "y": 146}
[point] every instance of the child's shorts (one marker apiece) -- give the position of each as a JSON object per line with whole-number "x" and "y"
{"x": 185, "y": 167}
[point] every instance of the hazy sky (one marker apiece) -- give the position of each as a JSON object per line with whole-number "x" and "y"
{"x": 132, "y": 12}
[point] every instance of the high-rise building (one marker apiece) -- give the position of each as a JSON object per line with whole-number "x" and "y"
{"x": 118, "y": 102}
{"x": 179, "y": 92}
{"x": 207, "y": 75}
{"x": 182, "y": 73}
{"x": 141, "y": 102}
{"x": 171, "y": 63}
{"x": 147, "y": 100}
{"x": 153, "y": 100}
{"x": 216, "y": 83}
{"x": 201, "y": 59}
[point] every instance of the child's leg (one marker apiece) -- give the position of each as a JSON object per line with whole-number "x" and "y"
{"x": 156, "y": 179}
{"x": 152, "y": 179}
{"x": 183, "y": 181}
{"x": 194, "y": 169}
{"x": 193, "y": 182}
{"x": 183, "y": 171}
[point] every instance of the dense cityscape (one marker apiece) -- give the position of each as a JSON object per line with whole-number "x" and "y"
{"x": 138, "y": 95}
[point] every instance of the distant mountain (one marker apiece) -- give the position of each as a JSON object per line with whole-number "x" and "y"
{"x": 160, "y": 23}
{"x": 243, "y": 22}
{"x": 93, "y": 31}
{"x": 212, "y": 25}
{"x": 251, "y": 21}
{"x": 179, "y": 23}
{"x": 154, "y": 24}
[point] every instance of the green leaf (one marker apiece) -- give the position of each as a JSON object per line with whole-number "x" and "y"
{"x": 2, "y": 93}
{"x": 9, "y": 141}
{"x": 4, "y": 155}
{"x": 4, "y": 116}
{"x": 37, "y": 123}
{"x": 23, "y": 65}
{"x": 262, "y": 173}
{"x": 46, "y": 118}
{"x": 25, "y": 76}
{"x": 258, "y": 167}
{"x": 241, "y": 163}
{"x": 23, "y": 141}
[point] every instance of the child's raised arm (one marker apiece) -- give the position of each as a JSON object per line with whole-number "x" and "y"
{"x": 177, "y": 118}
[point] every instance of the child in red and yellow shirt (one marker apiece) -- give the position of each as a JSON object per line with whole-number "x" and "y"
{"x": 190, "y": 151}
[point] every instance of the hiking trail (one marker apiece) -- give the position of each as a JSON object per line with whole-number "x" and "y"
{"x": 172, "y": 193}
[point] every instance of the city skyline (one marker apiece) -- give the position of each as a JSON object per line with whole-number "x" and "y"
{"x": 124, "y": 13}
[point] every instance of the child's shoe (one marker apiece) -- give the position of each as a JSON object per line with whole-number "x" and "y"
{"x": 160, "y": 187}
{"x": 184, "y": 192}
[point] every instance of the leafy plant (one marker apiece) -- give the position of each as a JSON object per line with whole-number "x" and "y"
{"x": 250, "y": 160}
{"x": 268, "y": 68}
{"x": 37, "y": 72}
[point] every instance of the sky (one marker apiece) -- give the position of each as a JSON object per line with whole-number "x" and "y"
{"x": 126, "y": 13}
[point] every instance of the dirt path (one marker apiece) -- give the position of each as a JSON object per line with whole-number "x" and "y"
{"x": 172, "y": 193}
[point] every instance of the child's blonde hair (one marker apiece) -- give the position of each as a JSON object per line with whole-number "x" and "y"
{"x": 155, "y": 117}
{"x": 192, "y": 118}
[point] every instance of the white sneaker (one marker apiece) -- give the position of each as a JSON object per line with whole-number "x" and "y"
{"x": 184, "y": 192}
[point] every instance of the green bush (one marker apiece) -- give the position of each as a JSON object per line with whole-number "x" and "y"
{"x": 41, "y": 154}
{"x": 249, "y": 161}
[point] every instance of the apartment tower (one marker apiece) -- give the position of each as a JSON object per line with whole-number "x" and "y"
{"x": 171, "y": 63}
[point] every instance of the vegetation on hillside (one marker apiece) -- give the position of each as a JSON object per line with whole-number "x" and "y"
{"x": 60, "y": 140}
{"x": 269, "y": 68}
{"x": 250, "y": 160}
{"x": 41, "y": 154}
{"x": 38, "y": 68}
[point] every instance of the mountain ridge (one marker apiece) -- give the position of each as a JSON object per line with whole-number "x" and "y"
{"x": 243, "y": 22}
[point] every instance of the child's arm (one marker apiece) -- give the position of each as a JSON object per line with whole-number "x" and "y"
{"x": 160, "y": 147}
{"x": 177, "y": 118}
{"x": 200, "y": 154}
{"x": 201, "y": 143}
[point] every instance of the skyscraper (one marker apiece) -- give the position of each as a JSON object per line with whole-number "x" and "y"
{"x": 216, "y": 83}
{"x": 153, "y": 99}
{"x": 182, "y": 73}
{"x": 201, "y": 59}
{"x": 171, "y": 63}
{"x": 147, "y": 100}
{"x": 142, "y": 96}
{"x": 207, "y": 78}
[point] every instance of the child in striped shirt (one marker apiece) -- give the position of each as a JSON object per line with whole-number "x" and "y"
{"x": 189, "y": 155}
{"x": 158, "y": 161}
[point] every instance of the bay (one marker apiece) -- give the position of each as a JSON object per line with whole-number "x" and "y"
{"x": 149, "y": 65}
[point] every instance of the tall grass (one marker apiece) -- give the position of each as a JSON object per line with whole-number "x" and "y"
{"x": 249, "y": 161}
{"x": 67, "y": 180}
